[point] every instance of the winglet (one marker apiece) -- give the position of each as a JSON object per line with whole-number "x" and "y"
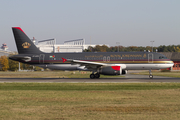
{"x": 64, "y": 60}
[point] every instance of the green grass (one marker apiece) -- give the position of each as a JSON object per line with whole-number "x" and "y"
{"x": 86, "y": 87}
{"x": 98, "y": 101}
{"x": 50, "y": 74}
{"x": 175, "y": 74}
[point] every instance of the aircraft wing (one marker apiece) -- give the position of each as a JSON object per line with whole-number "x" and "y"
{"x": 88, "y": 64}
{"x": 93, "y": 65}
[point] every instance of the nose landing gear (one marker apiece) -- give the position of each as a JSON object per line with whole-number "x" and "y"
{"x": 150, "y": 74}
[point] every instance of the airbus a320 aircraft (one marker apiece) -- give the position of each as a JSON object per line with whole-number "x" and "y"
{"x": 106, "y": 63}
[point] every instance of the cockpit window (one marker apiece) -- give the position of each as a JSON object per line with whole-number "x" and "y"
{"x": 162, "y": 57}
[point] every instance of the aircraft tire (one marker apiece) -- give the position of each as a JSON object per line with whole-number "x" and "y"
{"x": 92, "y": 76}
{"x": 151, "y": 76}
{"x": 97, "y": 75}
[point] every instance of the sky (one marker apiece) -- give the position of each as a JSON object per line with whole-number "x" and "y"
{"x": 128, "y": 22}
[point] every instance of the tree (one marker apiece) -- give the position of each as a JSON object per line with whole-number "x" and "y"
{"x": 4, "y": 63}
{"x": 13, "y": 65}
{"x": 177, "y": 49}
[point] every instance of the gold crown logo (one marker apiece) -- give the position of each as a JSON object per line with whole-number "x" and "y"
{"x": 26, "y": 45}
{"x": 144, "y": 55}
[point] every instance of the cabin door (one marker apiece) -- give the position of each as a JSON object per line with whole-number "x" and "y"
{"x": 41, "y": 58}
{"x": 150, "y": 58}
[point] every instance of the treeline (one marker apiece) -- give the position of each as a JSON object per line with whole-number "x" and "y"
{"x": 162, "y": 48}
{"x": 11, "y": 65}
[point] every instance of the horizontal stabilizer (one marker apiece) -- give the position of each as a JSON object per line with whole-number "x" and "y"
{"x": 20, "y": 58}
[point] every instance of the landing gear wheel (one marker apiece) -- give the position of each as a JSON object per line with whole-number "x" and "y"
{"x": 151, "y": 76}
{"x": 97, "y": 75}
{"x": 92, "y": 76}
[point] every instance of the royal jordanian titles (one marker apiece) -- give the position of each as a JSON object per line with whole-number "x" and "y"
{"x": 106, "y": 63}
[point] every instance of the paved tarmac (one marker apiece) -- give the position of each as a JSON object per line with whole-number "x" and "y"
{"x": 86, "y": 80}
{"x": 126, "y": 79}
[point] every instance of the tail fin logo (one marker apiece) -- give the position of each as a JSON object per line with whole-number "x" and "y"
{"x": 26, "y": 45}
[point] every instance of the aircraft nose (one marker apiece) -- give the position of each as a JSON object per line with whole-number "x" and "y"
{"x": 171, "y": 63}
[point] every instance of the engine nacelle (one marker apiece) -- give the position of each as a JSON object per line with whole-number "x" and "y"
{"x": 110, "y": 70}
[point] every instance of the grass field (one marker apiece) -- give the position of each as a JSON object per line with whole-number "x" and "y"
{"x": 98, "y": 101}
{"x": 77, "y": 74}
{"x": 50, "y": 74}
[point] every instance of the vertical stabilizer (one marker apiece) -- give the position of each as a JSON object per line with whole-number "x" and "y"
{"x": 23, "y": 43}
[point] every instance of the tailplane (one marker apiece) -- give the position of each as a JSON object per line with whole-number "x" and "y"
{"x": 23, "y": 43}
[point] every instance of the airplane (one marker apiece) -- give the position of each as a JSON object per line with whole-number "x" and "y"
{"x": 106, "y": 63}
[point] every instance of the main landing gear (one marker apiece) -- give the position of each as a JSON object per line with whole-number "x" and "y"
{"x": 150, "y": 74}
{"x": 93, "y": 76}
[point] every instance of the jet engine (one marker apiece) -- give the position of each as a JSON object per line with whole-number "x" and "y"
{"x": 110, "y": 70}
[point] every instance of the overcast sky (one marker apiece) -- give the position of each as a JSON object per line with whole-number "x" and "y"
{"x": 130, "y": 22}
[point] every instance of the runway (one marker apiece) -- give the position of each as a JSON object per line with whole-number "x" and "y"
{"x": 88, "y": 80}
{"x": 128, "y": 78}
